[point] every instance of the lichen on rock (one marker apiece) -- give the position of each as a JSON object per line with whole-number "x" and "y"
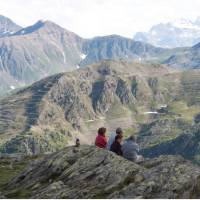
{"x": 89, "y": 172}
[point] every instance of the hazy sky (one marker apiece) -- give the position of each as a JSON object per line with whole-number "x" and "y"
{"x": 90, "y": 18}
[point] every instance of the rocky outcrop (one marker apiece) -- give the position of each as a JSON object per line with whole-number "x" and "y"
{"x": 89, "y": 172}
{"x": 2, "y": 196}
{"x": 30, "y": 144}
{"x": 51, "y": 113}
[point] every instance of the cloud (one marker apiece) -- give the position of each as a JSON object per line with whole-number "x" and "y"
{"x": 89, "y": 18}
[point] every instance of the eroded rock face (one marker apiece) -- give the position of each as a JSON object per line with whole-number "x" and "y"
{"x": 111, "y": 94}
{"x": 89, "y": 172}
{"x": 1, "y": 196}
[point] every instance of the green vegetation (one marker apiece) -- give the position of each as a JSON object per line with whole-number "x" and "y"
{"x": 163, "y": 139}
{"x": 183, "y": 110}
{"x": 117, "y": 110}
{"x": 19, "y": 194}
{"x": 48, "y": 142}
{"x": 129, "y": 131}
{"x": 9, "y": 169}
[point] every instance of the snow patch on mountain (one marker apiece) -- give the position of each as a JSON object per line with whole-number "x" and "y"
{"x": 64, "y": 57}
{"x": 151, "y": 112}
{"x": 184, "y": 23}
{"x": 12, "y": 87}
{"x": 83, "y": 56}
{"x": 23, "y": 32}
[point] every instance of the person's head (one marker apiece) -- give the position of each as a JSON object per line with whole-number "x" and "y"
{"x": 118, "y": 138}
{"x": 102, "y": 131}
{"x": 133, "y": 138}
{"x": 77, "y": 142}
{"x": 119, "y": 131}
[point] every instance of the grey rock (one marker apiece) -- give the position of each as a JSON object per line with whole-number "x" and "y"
{"x": 89, "y": 172}
{"x": 2, "y": 196}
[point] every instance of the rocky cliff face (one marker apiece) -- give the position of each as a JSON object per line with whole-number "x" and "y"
{"x": 54, "y": 111}
{"x": 51, "y": 113}
{"x": 116, "y": 47}
{"x": 37, "y": 51}
{"x": 89, "y": 172}
{"x": 7, "y": 26}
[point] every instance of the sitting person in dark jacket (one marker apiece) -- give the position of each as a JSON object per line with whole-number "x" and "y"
{"x": 116, "y": 145}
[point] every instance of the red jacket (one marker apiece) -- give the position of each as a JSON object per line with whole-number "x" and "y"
{"x": 101, "y": 141}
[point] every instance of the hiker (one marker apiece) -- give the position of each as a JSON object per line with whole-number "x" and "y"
{"x": 130, "y": 149}
{"x": 77, "y": 142}
{"x": 112, "y": 137}
{"x": 101, "y": 140}
{"x": 116, "y": 146}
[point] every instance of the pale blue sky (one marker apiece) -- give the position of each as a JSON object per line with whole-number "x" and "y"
{"x": 89, "y": 18}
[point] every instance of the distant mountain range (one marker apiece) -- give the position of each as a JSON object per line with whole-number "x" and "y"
{"x": 181, "y": 33}
{"x": 34, "y": 52}
{"x": 45, "y": 48}
{"x": 186, "y": 58}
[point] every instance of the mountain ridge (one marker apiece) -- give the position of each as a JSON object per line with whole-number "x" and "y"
{"x": 60, "y": 108}
{"x": 7, "y": 26}
{"x": 180, "y": 33}
{"x": 45, "y": 48}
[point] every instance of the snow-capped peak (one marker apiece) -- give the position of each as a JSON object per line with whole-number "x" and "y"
{"x": 178, "y": 33}
{"x": 185, "y": 24}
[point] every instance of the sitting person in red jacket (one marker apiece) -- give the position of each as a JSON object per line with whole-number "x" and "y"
{"x": 101, "y": 140}
{"x": 116, "y": 145}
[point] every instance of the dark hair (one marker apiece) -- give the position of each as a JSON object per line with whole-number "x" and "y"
{"x": 119, "y": 131}
{"x": 102, "y": 131}
{"x": 118, "y": 137}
